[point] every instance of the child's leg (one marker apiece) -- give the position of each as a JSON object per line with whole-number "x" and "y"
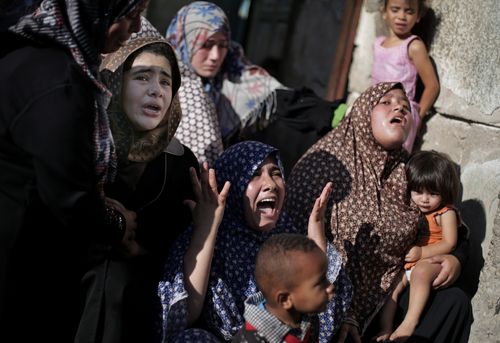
{"x": 389, "y": 310}
{"x": 422, "y": 276}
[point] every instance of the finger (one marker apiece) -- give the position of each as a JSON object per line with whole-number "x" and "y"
{"x": 342, "y": 335}
{"x": 212, "y": 181}
{"x": 205, "y": 181}
{"x": 325, "y": 194}
{"x": 224, "y": 192}
{"x": 190, "y": 203}
{"x": 316, "y": 209}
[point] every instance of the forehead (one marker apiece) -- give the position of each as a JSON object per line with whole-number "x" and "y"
{"x": 218, "y": 36}
{"x": 396, "y": 93}
{"x": 402, "y": 3}
{"x": 148, "y": 58}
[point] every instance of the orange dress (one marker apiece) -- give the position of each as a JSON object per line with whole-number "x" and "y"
{"x": 435, "y": 233}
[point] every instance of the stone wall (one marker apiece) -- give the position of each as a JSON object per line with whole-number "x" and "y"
{"x": 466, "y": 125}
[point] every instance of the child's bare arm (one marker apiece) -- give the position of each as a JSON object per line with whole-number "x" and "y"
{"x": 449, "y": 224}
{"x": 207, "y": 211}
{"x": 418, "y": 54}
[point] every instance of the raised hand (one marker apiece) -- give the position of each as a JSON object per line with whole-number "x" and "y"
{"x": 208, "y": 209}
{"x": 316, "y": 226}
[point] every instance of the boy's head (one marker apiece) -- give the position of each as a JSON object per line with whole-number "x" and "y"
{"x": 290, "y": 272}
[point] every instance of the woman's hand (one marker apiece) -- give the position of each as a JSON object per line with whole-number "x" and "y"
{"x": 129, "y": 245}
{"x": 414, "y": 254}
{"x": 349, "y": 330}
{"x": 208, "y": 209}
{"x": 316, "y": 226}
{"x": 450, "y": 270}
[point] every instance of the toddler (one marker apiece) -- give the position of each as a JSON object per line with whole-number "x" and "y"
{"x": 402, "y": 56}
{"x": 433, "y": 184}
{"x": 290, "y": 272}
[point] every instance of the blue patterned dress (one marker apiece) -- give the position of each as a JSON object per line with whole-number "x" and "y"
{"x": 231, "y": 278}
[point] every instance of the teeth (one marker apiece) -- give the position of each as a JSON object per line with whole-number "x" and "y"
{"x": 268, "y": 200}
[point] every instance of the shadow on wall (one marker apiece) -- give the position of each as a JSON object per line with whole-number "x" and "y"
{"x": 474, "y": 215}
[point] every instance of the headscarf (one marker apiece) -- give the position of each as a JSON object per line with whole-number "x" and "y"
{"x": 372, "y": 221}
{"x": 231, "y": 276}
{"x": 81, "y": 26}
{"x": 239, "y": 95}
{"x": 134, "y": 149}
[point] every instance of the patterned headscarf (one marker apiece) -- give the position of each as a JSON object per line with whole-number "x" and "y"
{"x": 236, "y": 97}
{"x": 81, "y": 26}
{"x": 144, "y": 146}
{"x": 231, "y": 276}
{"x": 372, "y": 222}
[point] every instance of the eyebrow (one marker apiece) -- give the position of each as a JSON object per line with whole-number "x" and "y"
{"x": 150, "y": 69}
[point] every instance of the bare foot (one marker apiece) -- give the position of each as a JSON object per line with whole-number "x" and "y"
{"x": 382, "y": 336}
{"x": 404, "y": 331}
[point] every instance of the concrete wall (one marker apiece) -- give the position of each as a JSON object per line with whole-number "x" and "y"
{"x": 465, "y": 125}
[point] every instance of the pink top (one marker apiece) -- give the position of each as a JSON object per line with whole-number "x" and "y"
{"x": 394, "y": 64}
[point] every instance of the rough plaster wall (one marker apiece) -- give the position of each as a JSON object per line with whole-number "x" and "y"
{"x": 466, "y": 126}
{"x": 487, "y": 301}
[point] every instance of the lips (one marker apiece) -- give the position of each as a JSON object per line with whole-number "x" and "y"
{"x": 151, "y": 110}
{"x": 399, "y": 119}
{"x": 267, "y": 205}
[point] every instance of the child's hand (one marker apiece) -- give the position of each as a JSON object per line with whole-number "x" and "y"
{"x": 316, "y": 226}
{"x": 208, "y": 209}
{"x": 414, "y": 254}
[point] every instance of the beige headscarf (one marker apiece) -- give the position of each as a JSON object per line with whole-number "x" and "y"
{"x": 134, "y": 148}
{"x": 372, "y": 222}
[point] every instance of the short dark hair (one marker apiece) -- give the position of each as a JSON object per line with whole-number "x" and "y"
{"x": 435, "y": 172}
{"x": 273, "y": 263}
{"x": 422, "y": 7}
{"x": 160, "y": 49}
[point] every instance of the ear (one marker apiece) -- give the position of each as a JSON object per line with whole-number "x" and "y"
{"x": 284, "y": 300}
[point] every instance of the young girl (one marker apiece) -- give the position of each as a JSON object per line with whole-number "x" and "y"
{"x": 402, "y": 56}
{"x": 433, "y": 184}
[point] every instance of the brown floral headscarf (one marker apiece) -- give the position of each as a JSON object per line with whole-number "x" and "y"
{"x": 372, "y": 223}
{"x": 134, "y": 149}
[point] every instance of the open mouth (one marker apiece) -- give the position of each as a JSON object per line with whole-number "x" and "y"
{"x": 152, "y": 110}
{"x": 397, "y": 120}
{"x": 266, "y": 205}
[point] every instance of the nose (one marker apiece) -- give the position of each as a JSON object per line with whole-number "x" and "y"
{"x": 154, "y": 87}
{"x": 214, "y": 54}
{"x": 268, "y": 182}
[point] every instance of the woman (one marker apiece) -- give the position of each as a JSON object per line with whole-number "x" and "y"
{"x": 372, "y": 222}
{"x": 56, "y": 153}
{"x": 221, "y": 91}
{"x": 152, "y": 179}
{"x": 253, "y": 213}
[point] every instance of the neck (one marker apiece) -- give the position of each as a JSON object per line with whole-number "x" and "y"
{"x": 289, "y": 317}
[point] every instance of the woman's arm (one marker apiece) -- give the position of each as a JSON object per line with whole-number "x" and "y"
{"x": 207, "y": 216}
{"x": 419, "y": 56}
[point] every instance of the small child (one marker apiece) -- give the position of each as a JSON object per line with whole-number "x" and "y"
{"x": 402, "y": 56}
{"x": 290, "y": 272}
{"x": 434, "y": 185}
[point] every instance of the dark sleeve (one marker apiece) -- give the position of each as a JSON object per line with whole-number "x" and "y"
{"x": 56, "y": 129}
